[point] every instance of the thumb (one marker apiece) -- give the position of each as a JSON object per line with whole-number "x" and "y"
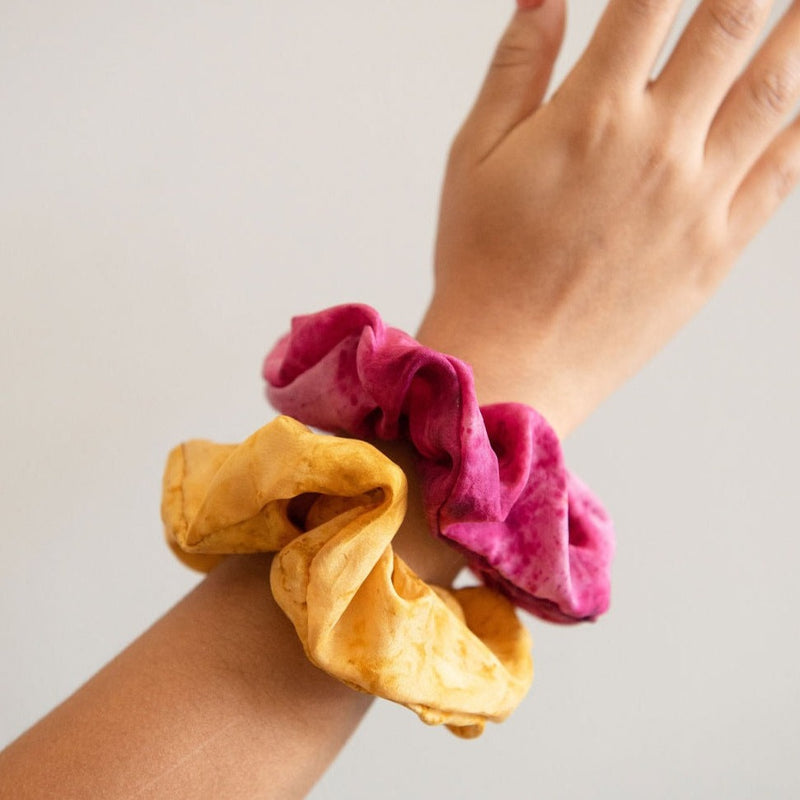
{"x": 519, "y": 74}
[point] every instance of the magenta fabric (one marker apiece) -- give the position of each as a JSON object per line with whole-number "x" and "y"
{"x": 493, "y": 477}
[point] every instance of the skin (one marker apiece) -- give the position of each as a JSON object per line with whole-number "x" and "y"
{"x": 577, "y": 235}
{"x": 551, "y": 298}
{"x": 215, "y": 700}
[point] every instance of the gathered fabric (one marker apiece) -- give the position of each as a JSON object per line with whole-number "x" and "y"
{"x": 493, "y": 477}
{"x": 329, "y": 508}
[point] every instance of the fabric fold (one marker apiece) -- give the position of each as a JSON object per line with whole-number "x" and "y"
{"x": 493, "y": 477}
{"x": 330, "y": 507}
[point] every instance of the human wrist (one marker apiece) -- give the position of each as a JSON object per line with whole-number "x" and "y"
{"x": 485, "y": 468}
{"x": 330, "y": 506}
{"x": 512, "y": 359}
{"x": 430, "y": 557}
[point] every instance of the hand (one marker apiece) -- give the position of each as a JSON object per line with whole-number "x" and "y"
{"x": 578, "y": 235}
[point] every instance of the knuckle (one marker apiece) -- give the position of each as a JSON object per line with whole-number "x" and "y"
{"x": 775, "y": 91}
{"x": 786, "y": 178}
{"x": 658, "y": 159}
{"x": 664, "y": 159}
{"x": 524, "y": 47}
{"x": 599, "y": 123}
{"x": 736, "y": 19}
{"x": 460, "y": 149}
{"x": 511, "y": 53}
{"x": 648, "y": 7}
{"x": 707, "y": 239}
{"x": 706, "y": 235}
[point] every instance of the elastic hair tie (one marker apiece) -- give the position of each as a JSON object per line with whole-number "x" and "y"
{"x": 331, "y": 507}
{"x": 493, "y": 477}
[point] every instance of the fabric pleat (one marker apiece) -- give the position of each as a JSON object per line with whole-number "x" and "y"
{"x": 493, "y": 477}
{"x": 329, "y": 507}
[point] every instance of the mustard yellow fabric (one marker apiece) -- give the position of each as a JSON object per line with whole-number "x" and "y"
{"x": 330, "y": 507}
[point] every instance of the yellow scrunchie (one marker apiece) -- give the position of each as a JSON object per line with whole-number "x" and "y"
{"x": 331, "y": 507}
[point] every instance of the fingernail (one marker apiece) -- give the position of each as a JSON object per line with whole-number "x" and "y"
{"x": 528, "y": 4}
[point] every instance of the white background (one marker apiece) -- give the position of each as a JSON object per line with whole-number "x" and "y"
{"x": 178, "y": 179}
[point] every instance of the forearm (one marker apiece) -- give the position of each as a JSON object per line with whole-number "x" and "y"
{"x": 217, "y": 699}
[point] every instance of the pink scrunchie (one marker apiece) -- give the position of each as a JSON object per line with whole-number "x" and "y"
{"x": 493, "y": 477}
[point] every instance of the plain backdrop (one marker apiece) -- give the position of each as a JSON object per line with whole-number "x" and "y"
{"x": 177, "y": 180}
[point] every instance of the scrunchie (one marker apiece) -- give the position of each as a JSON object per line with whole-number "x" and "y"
{"x": 331, "y": 507}
{"x": 493, "y": 477}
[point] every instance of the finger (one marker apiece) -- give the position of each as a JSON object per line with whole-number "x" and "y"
{"x": 709, "y": 55}
{"x": 518, "y": 76}
{"x": 759, "y": 102}
{"x": 628, "y": 39}
{"x": 766, "y": 185}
